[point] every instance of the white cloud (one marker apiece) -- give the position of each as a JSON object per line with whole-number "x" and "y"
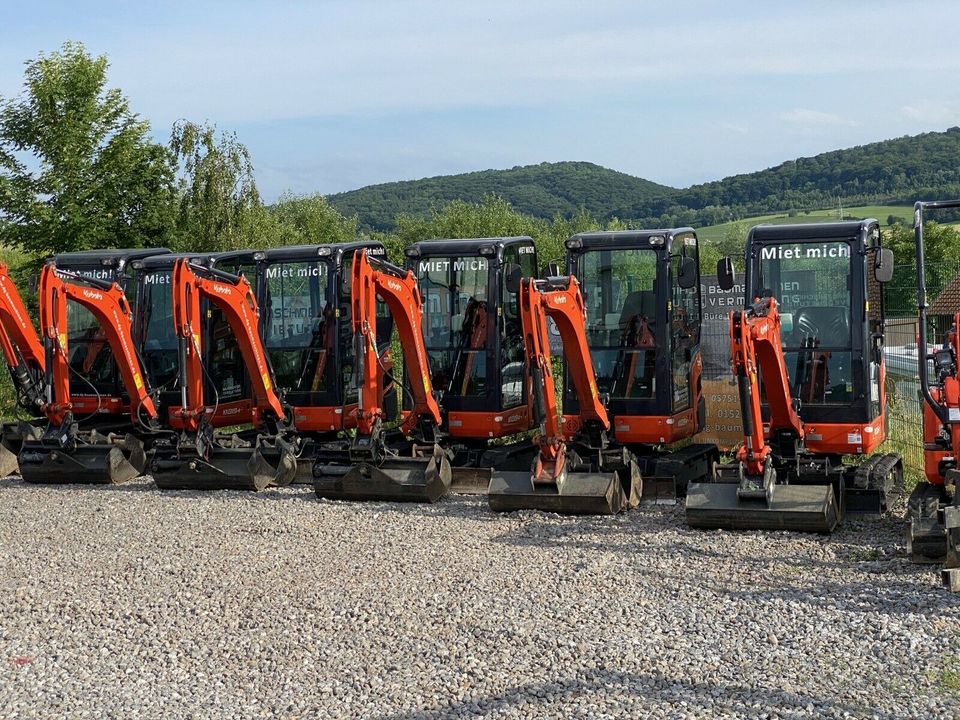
{"x": 340, "y": 58}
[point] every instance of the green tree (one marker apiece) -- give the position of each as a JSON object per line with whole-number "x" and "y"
{"x": 77, "y": 170}
{"x": 491, "y": 217}
{"x": 941, "y": 243}
{"x": 311, "y": 219}
{"x": 220, "y": 206}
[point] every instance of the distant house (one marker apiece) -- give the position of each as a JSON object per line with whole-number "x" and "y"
{"x": 948, "y": 301}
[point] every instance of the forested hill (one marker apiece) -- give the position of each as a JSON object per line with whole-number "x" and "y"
{"x": 540, "y": 190}
{"x": 901, "y": 169}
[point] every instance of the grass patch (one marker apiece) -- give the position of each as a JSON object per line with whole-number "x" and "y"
{"x": 948, "y": 677}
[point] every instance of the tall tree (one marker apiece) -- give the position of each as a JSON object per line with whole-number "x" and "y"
{"x": 77, "y": 169}
{"x": 311, "y": 219}
{"x": 220, "y": 207}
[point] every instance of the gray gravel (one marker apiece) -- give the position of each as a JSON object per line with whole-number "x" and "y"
{"x": 121, "y": 602}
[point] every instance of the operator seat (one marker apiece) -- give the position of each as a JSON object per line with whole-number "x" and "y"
{"x": 830, "y": 325}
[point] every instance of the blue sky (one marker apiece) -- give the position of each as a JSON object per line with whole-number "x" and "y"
{"x": 333, "y": 95}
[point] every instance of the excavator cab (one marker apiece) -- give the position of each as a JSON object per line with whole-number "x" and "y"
{"x": 97, "y": 390}
{"x": 642, "y": 295}
{"x": 808, "y": 357}
{"x": 474, "y": 342}
{"x": 304, "y": 292}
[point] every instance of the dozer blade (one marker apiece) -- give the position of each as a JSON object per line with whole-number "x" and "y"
{"x": 801, "y": 508}
{"x": 99, "y": 461}
{"x": 393, "y": 480}
{"x": 470, "y": 480}
{"x": 227, "y": 468}
{"x": 579, "y": 493}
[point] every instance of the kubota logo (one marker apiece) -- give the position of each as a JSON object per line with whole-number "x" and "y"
{"x": 221, "y": 290}
{"x": 560, "y": 300}
{"x": 394, "y": 285}
{"x": 92, "y": 295}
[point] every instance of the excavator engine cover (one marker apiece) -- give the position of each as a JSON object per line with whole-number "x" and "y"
{"x": 393, "y": 479}
{"x": 90, "y": 459}
{"x": 227, "y": 465}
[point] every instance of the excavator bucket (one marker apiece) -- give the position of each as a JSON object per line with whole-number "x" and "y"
{"x": 94, "y": 459}
{"x": 235, "y": 466}
{"x": 576, "y": 493}
{"x": 12, "y": 435}
{"x": 470, "y": 480}
{"x": 395, "y": 479}
{"x": 762, "y": 506}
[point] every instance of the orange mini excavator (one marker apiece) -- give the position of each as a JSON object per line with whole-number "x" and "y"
{"x": 65, "y": 452}
{"x": 472, "y": 333}
{"x": 642, "y": 294}
{"x": 933, "y": 509}
{"x": 576, "y": 470}
{"x": 799, "y": 426}
{"x": 304, "y": 295}
{"x": 200, "y": 458}
{"x": 369, "y": 467}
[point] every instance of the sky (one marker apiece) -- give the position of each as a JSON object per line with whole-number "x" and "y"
{"x": 333, "y": 95}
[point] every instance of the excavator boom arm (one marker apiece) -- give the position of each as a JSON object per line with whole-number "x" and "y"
{"x": 755, "y": 347}
{"x": 19, "y": 341}
{"x": 561, "y": 300}
{"x": 108, "y": 304}
{"x": 398, "y": 288}
{"x": 233, "y": 295}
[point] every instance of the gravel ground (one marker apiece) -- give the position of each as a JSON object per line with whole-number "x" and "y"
{"x": 121, "y": 602}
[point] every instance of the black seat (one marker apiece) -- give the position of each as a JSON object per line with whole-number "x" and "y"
{"x": 829, "y": 325}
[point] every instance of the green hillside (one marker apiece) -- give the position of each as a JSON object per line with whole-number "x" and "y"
{"x": 543, "y": 191}
{"x": 890, "y": 172}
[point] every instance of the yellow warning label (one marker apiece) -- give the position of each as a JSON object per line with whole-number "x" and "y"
{"x": 62, "y": 338}
{"x": 266, "y": 380}
{"x": 137, "y": 381}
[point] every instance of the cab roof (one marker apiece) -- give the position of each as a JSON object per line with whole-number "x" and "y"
{"x": 627, "y": 238}
{"x": 305, "y": 252}
{"x": 464, "y": 246}
{"x": 165, "y": 262}
{"x": 106, "y": 258}
{"x": 812, "y": 231}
